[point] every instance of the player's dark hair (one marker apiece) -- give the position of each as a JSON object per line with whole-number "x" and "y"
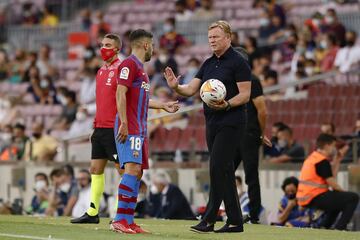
{"x": 114, "y": 37}
{"x": 324, "y": 139}
{"x": 43, "y": 175}
{"x": 139, "y": 34}
{"x": 288, "y": 181}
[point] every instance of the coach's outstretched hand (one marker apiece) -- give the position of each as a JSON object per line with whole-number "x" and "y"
{"x": 171, "y": 107}
{"x": 123, "y": 133}
{"x": 171, "y": 79}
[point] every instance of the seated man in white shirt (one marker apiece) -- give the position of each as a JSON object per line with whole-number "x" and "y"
{"x": 348, "y": 57}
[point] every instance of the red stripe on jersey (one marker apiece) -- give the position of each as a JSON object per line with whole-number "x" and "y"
{"x": 127, "y": 199}
{"x": 126, "y": 188}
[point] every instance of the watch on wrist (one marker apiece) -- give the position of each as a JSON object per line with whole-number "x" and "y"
{"x": 228, "y": 106}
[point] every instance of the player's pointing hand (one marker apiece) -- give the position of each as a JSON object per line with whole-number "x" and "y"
{"x": 171, "y": 79}
{"x": 171, "y": 107}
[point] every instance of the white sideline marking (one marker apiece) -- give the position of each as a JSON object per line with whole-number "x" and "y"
{"x": 29, "y": 237}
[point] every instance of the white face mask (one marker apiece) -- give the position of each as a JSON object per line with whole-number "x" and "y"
{"x": 329, "y": 19}
{"x": 80, "y": 116}
{"x": 62, "y": 100}
{"x": 168, "y": 28}
{"x": 323, "y": 44}
{"x": 44, "y": 83}
{"x": 282, "y": 143}
{"x": 163, "y": 58}
{"x": 309, "y": 71}
{"x": 39, "y": 185}
{"x": 65, "y": 187}
{"x": 264, "y": 22}
{"x": 154, "y": 189}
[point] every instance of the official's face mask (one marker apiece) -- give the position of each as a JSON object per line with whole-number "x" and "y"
{"x": 65, "y": 187}
{"x": 107, "y": 53}
{"x": 39, "y": 185}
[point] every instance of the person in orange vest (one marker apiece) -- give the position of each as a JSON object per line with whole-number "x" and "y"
{"x": 318, "y": 187}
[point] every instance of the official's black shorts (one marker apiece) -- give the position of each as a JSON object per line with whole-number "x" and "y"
{"x": 103, "y": 144}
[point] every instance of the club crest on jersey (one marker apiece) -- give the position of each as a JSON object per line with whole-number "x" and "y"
{"x": 135, "y": 154}
{"x": 124, "y": 73}
{"x": 145, "y": 86}
{"x": 111, "y": 74}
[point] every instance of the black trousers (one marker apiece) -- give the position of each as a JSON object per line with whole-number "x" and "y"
{"x": 222, "y": 143}
{"x": 249, "y": 154}
{"x": 334, "y": 203}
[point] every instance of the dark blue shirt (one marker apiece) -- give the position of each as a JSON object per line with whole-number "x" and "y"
{"x": 230, "y": 68}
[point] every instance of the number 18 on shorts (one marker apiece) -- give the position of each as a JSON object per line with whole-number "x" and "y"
{"x": 131, "y": 150}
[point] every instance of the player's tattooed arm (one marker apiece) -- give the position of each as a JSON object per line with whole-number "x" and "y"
{"x": 123, "y": 131}
{"x": 170, "y": 107}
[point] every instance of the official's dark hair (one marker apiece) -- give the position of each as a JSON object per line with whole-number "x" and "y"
{"x": 324, "y": 139}
{"x": 41, "y": 174}
{"x": 139, "y": 34}
{"x": 288, "y": 181}
{"x": 114, "y": 37}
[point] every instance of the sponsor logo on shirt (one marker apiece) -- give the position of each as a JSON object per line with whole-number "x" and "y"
{"x": 136, "y": 154}
{"x": 145, "y": 86}
{"x": 124, "y": 73}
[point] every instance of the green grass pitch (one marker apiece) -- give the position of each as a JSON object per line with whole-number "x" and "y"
{"x": 26, "y": 227}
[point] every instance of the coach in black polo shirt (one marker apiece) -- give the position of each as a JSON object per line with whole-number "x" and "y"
{"x": 225, "y": 123}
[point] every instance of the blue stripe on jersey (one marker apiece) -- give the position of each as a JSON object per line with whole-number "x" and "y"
{"x": 145, "y": 113}
{"x": 139, "y": 110}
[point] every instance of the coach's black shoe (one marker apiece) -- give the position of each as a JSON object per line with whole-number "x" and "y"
{"x": 227, "y": 229}
{"x": 202, "y": 227}
{"x": 86, "y": 218}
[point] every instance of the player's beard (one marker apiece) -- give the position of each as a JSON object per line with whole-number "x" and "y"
{"x": 148, "y": 56}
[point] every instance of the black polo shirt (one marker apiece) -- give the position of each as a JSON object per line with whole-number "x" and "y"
{"x": 229, "y": 68}
{"x": 253, "y": 124}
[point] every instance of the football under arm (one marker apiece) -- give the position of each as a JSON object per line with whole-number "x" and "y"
{"x": 188, "y": 90}
{"x": 243, "y": 96}
{"x": 121, "y": 102}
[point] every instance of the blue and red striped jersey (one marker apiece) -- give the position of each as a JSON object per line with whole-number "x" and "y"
{"x": 133, "y": 76}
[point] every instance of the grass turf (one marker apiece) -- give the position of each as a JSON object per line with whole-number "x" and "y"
{"x": 60, "y": 228}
